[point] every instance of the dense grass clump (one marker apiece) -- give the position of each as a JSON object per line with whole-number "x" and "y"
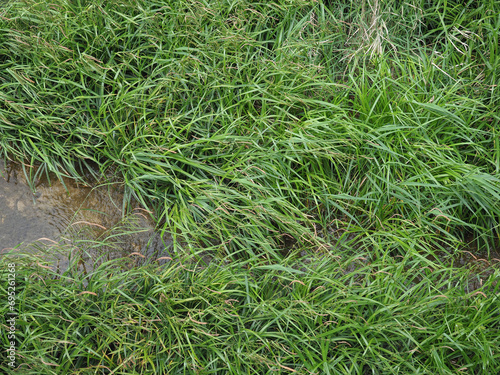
{"x": 327, "y": 317}
{"x": 259, "y": 129}
{"x": 244, "y": 123}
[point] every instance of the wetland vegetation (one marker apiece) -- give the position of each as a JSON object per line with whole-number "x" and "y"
{"x": 323, "y": 169}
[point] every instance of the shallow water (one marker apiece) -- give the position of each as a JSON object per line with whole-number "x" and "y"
{"x": 65, "y": 208}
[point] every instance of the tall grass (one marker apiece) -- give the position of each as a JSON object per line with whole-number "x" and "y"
{"x": 247, "y": 123}
{"x": 258, "y": 129}
{"x": 394, "y": 316}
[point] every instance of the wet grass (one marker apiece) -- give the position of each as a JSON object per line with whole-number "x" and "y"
{"x": 260, "y": 130}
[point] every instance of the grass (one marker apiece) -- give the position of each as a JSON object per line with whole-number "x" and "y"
{"x": 325, "y": 317}
{"x": 257, "y": 131}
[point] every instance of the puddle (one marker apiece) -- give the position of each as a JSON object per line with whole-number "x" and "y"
{"x": 56, "y": 211}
